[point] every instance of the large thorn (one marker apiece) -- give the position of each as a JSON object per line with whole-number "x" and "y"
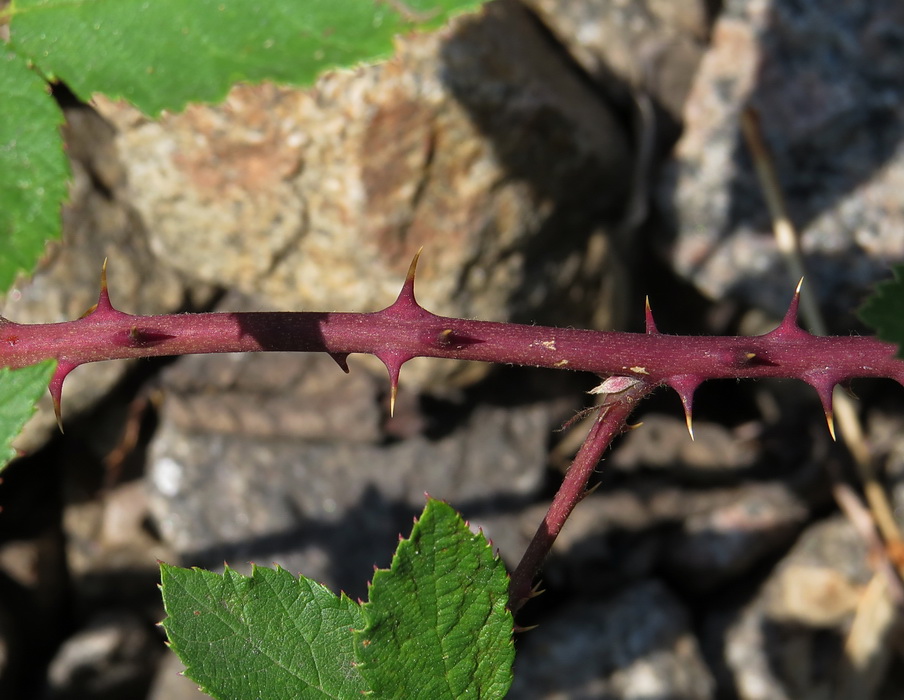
{"x": 407, "y": 293}
{"x": 341, "y": 359}
{"x": 789, "y": 325}
{"x": 103, "y": 299}
{"x": 686, "y": 385}
{"x": 825, "y": 387}
{"x": 64, "y": 367}
{"x": 393, "y": 362}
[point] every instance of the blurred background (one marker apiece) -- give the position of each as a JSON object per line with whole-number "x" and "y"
{"x": 558, "y": 161}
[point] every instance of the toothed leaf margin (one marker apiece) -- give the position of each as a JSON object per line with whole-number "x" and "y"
{"x": 884, "y": 311}
{"x": 20, "y": 390}
{"x": 269, "y": 635}
{"x": 437, "y": 621}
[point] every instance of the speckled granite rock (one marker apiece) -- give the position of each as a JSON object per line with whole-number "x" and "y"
{"x": 476, "y": 142}
{"x": 96, "y": 225}
{"x": 824, "y": 76}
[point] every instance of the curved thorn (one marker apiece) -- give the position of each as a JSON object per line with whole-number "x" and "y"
{"x": 825, "y": 387}
{"x": 686, "y": 385}
{"x": 55, "y": 387}
{"x": 407, "y": 292}
{"x": 689, "y": 421}
{"x": 393, "y": 363}
{"x": 789, "y": 324}
{"x": 830, "y": 421}
{"x": 341, "y": 359}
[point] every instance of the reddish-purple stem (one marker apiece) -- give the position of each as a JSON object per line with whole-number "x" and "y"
{"x": 610, "y": 422}
{"x": 406, "y": 330}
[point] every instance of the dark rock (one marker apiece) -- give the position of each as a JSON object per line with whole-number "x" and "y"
{"x": 737, "y": 530}
{"x": 106, "y": 659}
{"x": 653, "y": 45}
{"x": 790, "y": 640}
{"x": 822, "y": 76}
{"x": 637, "y": 644}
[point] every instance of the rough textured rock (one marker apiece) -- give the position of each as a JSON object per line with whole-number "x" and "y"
{"x": 106, "y": 659}
{"x": 789, "y": 641}
{"x": 95, "y": 226}
{"x": 637, "y": 644}
{"x": 739, "y": 530}
{"x": 649, "y": 45}
{"x": 716, "y": 454}
{"x": 476, "y": 142}
{"x": 225, "y": 483}
{"x": 824, "y": 78}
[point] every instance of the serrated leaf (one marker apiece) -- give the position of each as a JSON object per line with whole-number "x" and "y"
{"x": 162, "y": 54}
{"x": 33, "y": 168}
{"x": 437, "y": 622}
{"x": 884, "y": 311}
{"x": 269, "y": 635}
{"x": 20, "y": 390}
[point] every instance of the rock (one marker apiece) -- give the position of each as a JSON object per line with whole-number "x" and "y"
{"x": 107, "y": 658}
{"x": 170, "y": 684}
{"x": 638, "y": 644}
{"x": 653, "y": 45}
{"x": 742, "y": 528}
{"x": 477, "y": 142}
{"x": 106, "y": 536}
{"x": 788, "y": 642}
{"x": 319, "y": 503}
{"x": 95, "y": 226}
{"x": 716, "y": 454}
{"x": 823, "y": 77}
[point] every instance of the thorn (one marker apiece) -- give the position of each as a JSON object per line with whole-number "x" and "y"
{"x": 341, "y": 359}
{"x": 686, "y": 385}
{"x": 518, "y": 629}
{"x": 64, "y": 367}
{"x": 633, "y": 426}
{"x": 789, "y": 324}
{"x": 393, "y": 362}
{"x": 408, "y": 286}
{"x": 103, "y": 300}
{"x": 648, "y": 318}
{"x": 825, "y": 388}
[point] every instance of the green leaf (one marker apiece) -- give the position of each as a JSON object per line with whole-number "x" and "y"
{"x": 437, "y": 622}
{"x": 20, "y": 390}
{"x": 884, "y": 311}
{"x": 269, "y": 635}
{"x": 161, "y": 54}
{"x": 33, "y": 168}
